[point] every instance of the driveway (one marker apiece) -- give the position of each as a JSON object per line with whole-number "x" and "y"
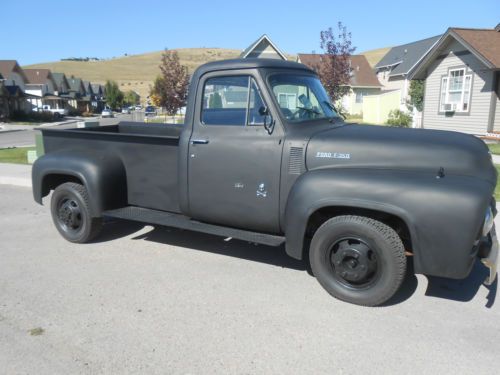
{"x": 158, "y": 300}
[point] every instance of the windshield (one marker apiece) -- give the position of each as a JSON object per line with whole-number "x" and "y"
{"x": 301, "y": 97}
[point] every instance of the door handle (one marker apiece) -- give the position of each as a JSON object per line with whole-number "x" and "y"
{"x": 199, "y": 141}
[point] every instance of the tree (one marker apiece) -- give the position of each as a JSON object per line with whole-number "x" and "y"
{"x": 416, "y": 93}
{"x": 131, "y": 97}
{"x": 171, "y": 86}
{"x": 114, "y": 97}
{"x": 335, "y": 68}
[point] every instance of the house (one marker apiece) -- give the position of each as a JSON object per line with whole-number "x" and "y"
{"x": 42, "y": 86}
{"x": 98, "y": 98}
{"x": 12, "y": 74}
{"x": 462, "y": 75}
{"x": 263, "y": 48}
{"x": 77, "y": 95}
{"x": 363, "y": 80}
{"x": 395, "y": 67}
{"x": 14, "y": 81}
{"x": 4, "y": 101}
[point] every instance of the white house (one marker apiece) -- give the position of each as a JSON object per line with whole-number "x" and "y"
{"x": 41, "y": 86}
{"x": 263, "y": 48}
{"x": 462, "y": 78}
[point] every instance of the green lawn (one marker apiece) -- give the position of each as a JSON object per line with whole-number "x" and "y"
{"x": 494, "y": 148}
{"x": 15, "y": 155}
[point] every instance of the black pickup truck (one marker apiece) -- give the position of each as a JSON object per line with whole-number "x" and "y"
{"x": 264, "y": 157}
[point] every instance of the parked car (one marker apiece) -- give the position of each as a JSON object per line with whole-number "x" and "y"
{"x": 150, "y": 111}
{"x": 107, "y": 112}
{"x": 354, "y": 200}
{"x": 57, "y": 112}
{"x": 138, "y": 107}
{"x": 126, "y": 110}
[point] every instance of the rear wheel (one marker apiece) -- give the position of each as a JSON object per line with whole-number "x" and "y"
{"x": 358, "y": 259}
{"x": 71, "y": 213}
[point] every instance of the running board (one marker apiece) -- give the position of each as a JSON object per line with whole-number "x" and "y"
{"x": 169, "y": 219}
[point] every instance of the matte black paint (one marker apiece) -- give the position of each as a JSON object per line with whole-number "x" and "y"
{"x": 438, "y": 183}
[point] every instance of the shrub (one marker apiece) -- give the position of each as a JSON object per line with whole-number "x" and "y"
{"x": 32, "y": 116}
{"x": 399, "y": 119}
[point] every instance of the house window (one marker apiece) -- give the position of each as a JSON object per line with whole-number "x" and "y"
{"x": 359, "y": 96}
{"x": 455, "y": 91}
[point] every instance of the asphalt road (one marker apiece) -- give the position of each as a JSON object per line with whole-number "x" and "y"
{"x": 159, "y": 300}
{"x": 23, "y": 138}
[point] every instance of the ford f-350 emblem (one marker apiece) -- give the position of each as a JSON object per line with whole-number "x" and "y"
{"x": 261, "y": 190}
{"x": 332, "y": 155}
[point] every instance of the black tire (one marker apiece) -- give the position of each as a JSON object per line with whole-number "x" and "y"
{"x": 71, "y": 213}
{"x": 358, "y": 259}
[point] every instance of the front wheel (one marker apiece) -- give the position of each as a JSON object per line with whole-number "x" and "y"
{"x": 71, "y": 213}
{"x": 358, "y": 259}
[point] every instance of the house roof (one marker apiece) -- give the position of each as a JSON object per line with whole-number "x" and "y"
{"x": 362, "y": 74}
{"x": 38, "y": 76}
{"x": 59, "y": 79}
{"x": 483, "y": 43}
{"x": 88, "y": 87}
{"x": 96, "y": 88}
{"x": 406, "y": 56}
{"x": 75, "y": 84}
{"x": 254, "y": 45}
{"x": 9, "y": 66}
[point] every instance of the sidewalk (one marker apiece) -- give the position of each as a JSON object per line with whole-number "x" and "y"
{"x": 6, "y": 127}
{"x": 15, "y": 174}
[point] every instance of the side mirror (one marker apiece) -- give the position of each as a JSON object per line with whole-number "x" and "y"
{"x": 268, "y": 119}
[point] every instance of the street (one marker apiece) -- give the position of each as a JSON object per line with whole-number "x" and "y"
{"x": 22, "y": 138}
{"x": 144, "y": 299}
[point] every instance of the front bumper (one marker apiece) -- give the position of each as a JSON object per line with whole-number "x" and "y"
{"x": 489, "y": 256}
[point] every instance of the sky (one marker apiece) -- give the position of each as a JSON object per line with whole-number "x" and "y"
{"x": 48, "y": 30}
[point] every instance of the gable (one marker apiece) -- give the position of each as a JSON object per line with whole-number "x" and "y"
{"x": 263, "y": 48}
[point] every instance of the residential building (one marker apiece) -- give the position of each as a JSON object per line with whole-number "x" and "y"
{"x": 397, "y": 64}
{"x": 462, "y": 81}
{"x": 363, "y": 80}
{"x": 41, "y": 86}
{"x": 263, "y": 48}
{"x": 77, "y": 95}
{"x": 14, "y": 80}
{"x": 62, "y": 84}
{"x": 4, "y": 101}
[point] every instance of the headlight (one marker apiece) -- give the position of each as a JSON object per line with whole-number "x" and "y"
{"x": 488, "y": 221}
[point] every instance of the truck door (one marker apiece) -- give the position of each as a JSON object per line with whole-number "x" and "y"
{"x": 234, "y": 163}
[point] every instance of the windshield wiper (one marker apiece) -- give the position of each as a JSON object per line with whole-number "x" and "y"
{"x": 310, "y": 110}
{"x": 339, "y": 115}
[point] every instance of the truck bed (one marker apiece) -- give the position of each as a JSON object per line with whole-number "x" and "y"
{"x": 148, "y": 153}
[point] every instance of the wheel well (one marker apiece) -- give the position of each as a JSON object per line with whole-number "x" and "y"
{"x": 51, "y": 181}
{"x": 326, "y": 213}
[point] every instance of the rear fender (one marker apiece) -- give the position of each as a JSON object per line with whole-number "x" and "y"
{"x": 102, "y": 174}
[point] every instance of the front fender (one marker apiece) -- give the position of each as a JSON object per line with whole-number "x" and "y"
{"x": 443, "y": 215}
{"x": 102, "y": 174}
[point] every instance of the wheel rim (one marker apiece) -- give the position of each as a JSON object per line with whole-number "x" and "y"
{"x": 354, "y": 263}
{"x": 69, "y": 215}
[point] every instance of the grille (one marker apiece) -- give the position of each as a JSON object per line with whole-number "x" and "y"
{"x": 296, "y": 160}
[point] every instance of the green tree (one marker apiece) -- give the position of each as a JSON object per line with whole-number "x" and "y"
{"x": 215, "y": 101}
{"x": 131, "y": 97}
{"x": 114, "y": 96}
{"x": 416, "y": 93}
{"x": 171, "y": 86}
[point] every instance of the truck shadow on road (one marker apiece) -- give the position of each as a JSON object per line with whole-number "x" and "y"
{"x": 463, "y": 290}
{"x": 458, "y": 290}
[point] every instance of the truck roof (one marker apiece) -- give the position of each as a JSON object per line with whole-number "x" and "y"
{"x": 251, "y": 63}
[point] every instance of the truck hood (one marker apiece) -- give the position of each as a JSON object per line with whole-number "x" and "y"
{"x": 368, "y": 146}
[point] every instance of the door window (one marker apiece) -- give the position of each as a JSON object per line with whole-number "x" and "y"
{"x": 232, "y": 100}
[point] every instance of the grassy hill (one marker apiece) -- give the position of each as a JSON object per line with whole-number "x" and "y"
{"x": 135, "y": 72}
{"x": 375, "y": 55}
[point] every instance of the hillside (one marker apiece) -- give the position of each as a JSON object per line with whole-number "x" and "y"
{"x": 136, "y": 72}
{"x": 375, "y": 55}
